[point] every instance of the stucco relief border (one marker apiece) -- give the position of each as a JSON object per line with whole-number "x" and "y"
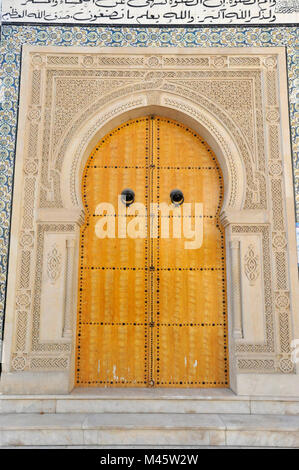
{"x": 25, "y": 348}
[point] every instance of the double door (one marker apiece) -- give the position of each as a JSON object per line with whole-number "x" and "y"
{"x": 152, "y": 304}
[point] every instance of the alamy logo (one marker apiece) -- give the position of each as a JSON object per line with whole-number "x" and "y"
{"x": 135, "y": 220}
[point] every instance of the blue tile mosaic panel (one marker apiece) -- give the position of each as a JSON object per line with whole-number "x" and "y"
{"x": 13, "y": 37}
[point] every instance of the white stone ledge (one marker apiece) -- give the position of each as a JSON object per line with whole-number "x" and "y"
{"x": 279, "y": 407}
{"x": 14, "y": 383}
{"x": 149, "y": 401}
{"x": 278, "y": 385}
{"x": 151, "y": 429}
{"x": 152, "y": 406}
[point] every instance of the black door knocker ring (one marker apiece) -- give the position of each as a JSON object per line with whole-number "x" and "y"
{"x": 127, "y": 196}
{"x": 177, "y": 197}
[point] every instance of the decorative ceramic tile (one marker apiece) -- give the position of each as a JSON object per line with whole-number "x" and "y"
{"x": 13, "y": 37}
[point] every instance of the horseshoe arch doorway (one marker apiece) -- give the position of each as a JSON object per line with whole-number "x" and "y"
{"x": 151, "y": 313}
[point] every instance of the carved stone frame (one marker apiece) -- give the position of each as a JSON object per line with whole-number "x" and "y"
{"x": 236, "y": 98}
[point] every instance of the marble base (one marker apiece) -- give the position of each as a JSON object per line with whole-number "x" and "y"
{"x": 139, "y": 429}
{"x": 204, "y": 401}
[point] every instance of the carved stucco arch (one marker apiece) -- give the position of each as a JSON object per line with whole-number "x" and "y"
{"x": 72, "y": 156}
{"x": 250, "y": 138}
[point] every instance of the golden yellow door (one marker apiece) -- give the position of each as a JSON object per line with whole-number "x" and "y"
{"x": 152, "y": 309}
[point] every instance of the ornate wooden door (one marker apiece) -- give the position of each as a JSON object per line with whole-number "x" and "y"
{"x": 150, "y": 311}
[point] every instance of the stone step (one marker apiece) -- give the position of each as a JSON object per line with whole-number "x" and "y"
{"x": 139, "y": 429}
{"x": 218, "y": 401}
